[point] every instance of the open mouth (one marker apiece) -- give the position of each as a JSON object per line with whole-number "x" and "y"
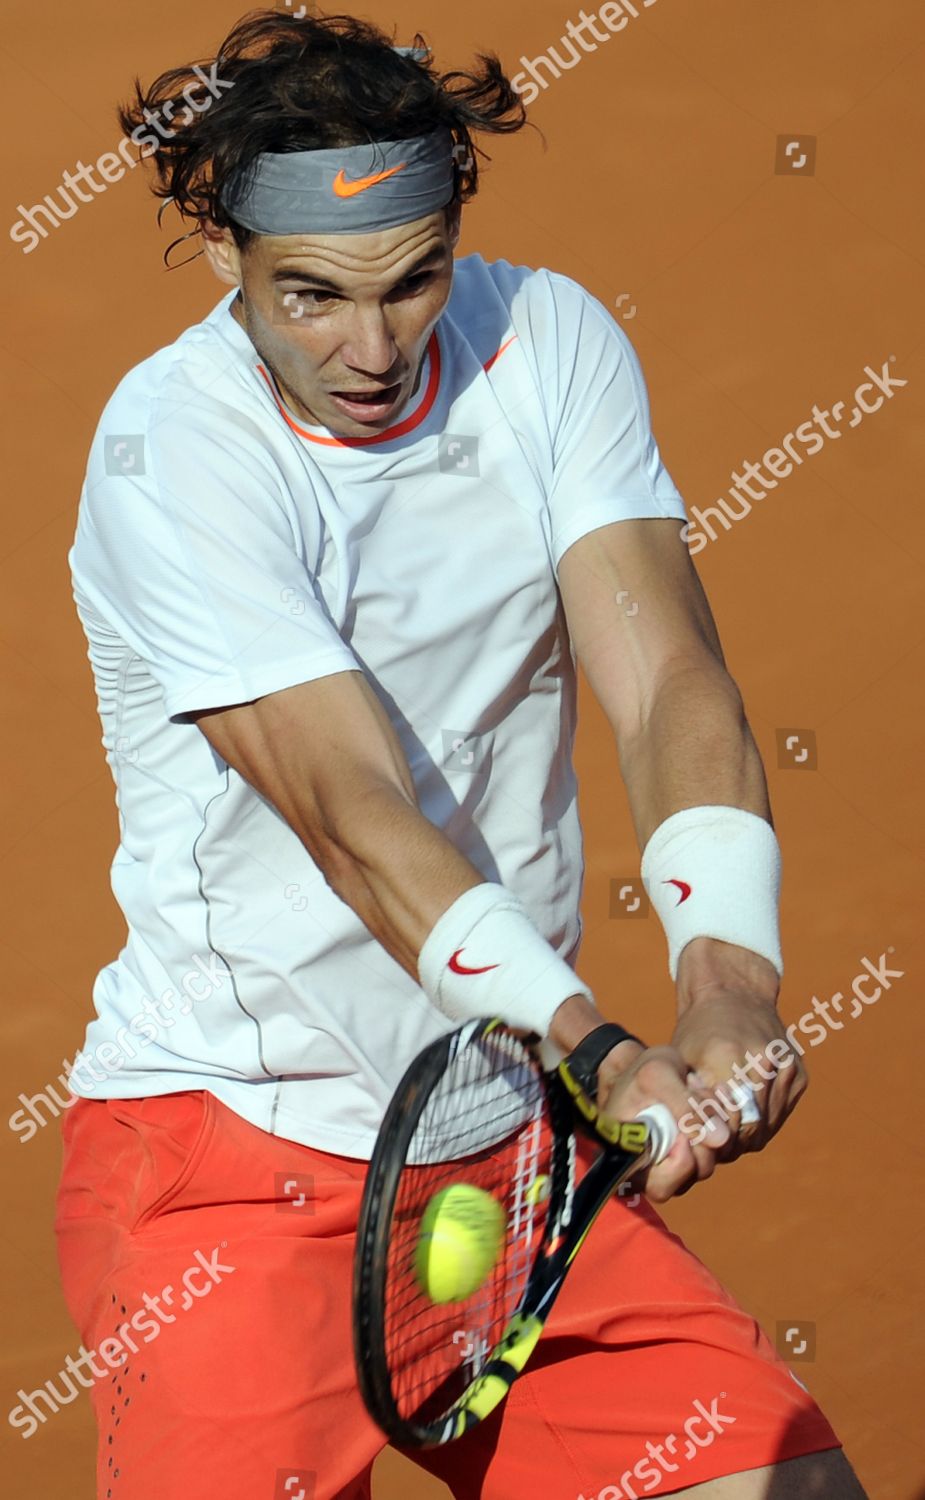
{"x": 368, "y": 405}
{"x": 384, "y": 395}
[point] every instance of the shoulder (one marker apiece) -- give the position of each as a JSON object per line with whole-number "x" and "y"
{"x": 508, "y": 285}
{"x": 549, "y": 311}
{"x": 204, "y": 360}
{"x": 482, "y": 288}
{"x": 200, "y": 393}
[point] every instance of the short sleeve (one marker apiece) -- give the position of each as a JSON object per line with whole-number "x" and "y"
{"x": 185, "y": 548}
{"x": 605, "y": 461}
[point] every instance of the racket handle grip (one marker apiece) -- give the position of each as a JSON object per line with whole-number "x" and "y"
{"x": 663, "y": 1130}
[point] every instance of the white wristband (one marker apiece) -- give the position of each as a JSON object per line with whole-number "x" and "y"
{"x": 484, "y": 957}
{"x": 715, "y": 872}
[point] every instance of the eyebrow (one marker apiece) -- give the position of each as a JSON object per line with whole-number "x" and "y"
{"x": 306, "y": 278}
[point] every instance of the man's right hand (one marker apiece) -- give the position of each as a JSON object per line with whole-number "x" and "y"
{"x": 630, "y": 1077}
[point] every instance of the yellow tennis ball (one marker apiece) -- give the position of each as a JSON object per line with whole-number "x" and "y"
{"x": 538, "y": 1191}
{"x": 460, "y": 1240}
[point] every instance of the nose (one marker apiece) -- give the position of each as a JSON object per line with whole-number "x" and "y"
{"x": 370, "y": 347}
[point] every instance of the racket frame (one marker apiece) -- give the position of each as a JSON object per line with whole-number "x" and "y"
{"x": 571, "y": 1212}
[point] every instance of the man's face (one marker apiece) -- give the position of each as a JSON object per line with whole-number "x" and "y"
{"x": 338, "y": 315}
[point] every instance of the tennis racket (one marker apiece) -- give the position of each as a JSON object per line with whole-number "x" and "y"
{"x": 477, "y": 1107}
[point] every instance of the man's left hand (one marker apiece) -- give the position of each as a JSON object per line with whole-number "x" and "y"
{"x": 727, "y": 1016}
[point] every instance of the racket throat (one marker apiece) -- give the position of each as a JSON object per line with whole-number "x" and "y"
{"x": 506, "y": 1363}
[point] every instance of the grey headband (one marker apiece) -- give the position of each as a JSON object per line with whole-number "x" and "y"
{"x": 345, "y": 190}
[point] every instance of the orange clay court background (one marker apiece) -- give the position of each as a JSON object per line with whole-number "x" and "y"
{"x": 755, "y": 285}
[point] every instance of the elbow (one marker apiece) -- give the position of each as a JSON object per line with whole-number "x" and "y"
{"x": 689, "y": 693}
{"x": 698, "y": 683}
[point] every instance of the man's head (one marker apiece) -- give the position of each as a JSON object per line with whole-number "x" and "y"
{"x": 338, "y": 314}
{"x": 337, "y": 296}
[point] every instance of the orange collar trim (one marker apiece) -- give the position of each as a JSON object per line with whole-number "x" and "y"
{"x": 400, "y": 430}
{"x": 498, "y": 353}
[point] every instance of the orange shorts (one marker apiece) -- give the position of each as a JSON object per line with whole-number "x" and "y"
{"x": 208, "y": 1266}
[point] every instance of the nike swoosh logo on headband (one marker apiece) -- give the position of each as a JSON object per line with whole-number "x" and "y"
{"x": 459, "y": 968}
{"x": 345, "y": 189}
{"x": 683, "y": 887}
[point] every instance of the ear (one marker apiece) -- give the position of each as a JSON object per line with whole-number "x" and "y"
{"x": 222, "y": 253}
{"x": 454, "y": 224}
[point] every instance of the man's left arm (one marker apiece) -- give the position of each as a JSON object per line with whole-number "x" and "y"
{"x": 645, "y": 637}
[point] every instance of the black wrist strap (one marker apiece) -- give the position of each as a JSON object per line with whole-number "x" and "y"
{"x": 584, "y": 1062}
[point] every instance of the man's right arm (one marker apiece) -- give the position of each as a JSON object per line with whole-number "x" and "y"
{"x": 325, "y": 754}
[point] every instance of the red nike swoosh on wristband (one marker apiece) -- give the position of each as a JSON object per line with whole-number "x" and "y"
{"x": 459, "y": 968}
{"x": 683, "y": 887}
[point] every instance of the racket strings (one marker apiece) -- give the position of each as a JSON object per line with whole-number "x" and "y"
{"x": 486, "y": 1124}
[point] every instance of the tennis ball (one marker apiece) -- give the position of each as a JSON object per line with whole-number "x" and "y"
{"x": 538, "y": 1191}
{"x": 459, "y": 1242}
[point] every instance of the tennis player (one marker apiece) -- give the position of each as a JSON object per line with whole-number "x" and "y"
{"x": 340, "y": 546}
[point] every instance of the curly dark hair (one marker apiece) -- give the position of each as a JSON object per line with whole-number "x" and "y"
{"x": 300, "y": 83}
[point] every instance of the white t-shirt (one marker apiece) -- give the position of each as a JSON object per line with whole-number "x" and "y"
{"x": 224, "y": 551}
